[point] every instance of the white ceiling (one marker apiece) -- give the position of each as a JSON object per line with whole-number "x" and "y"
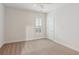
{"x": 46, "y": 7}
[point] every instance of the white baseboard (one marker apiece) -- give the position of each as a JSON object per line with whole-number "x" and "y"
{"x": 2, "y": 44}
{"x": 11, "y": 41}
{"x": 66, "y": 45}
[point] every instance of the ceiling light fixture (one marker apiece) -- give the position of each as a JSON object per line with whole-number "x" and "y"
{"x": 42, "y": 5}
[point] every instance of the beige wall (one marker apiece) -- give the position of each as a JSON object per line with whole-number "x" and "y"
{"x": 2, "y": 16}
{"x": 51, "y": 25}
{"x": 20, "y": 25}
{"x": 66, "y": 26}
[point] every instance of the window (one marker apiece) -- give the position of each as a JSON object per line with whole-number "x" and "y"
{"x": 38, "y": 24}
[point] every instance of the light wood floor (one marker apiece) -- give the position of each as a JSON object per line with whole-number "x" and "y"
{"x": 36, "y": 47}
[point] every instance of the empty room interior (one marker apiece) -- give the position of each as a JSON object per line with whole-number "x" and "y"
{"x": 39, "y": 28}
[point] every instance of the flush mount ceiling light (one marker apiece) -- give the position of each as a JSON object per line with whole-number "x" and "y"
{"x": 41, "y": 5}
